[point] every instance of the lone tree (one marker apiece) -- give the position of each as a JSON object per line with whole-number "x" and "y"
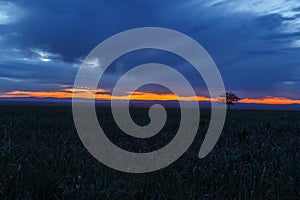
{"x": 229, "y": 98}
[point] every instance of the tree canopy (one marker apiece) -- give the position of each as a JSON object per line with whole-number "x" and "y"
{"x": 229, "y": 98}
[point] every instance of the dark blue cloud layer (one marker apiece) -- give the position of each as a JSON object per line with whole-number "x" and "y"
{"x": 255, "y": 53}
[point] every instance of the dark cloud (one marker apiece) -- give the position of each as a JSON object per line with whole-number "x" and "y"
{"x": 297, "y": 9}
{"x": 254, "y": 52}
{"x": 37, "y": 76}
{"x": 73, "y": 28}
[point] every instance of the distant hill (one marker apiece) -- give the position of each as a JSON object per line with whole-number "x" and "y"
{"x": 170, "y": 104}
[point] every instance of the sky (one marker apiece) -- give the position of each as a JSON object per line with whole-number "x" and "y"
{"x": 255, "y": 44}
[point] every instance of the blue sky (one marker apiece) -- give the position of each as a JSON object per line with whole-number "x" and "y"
{"x": 255, "y": 44}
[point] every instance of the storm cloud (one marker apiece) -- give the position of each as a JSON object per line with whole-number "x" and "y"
{"x": 256, "y": 45}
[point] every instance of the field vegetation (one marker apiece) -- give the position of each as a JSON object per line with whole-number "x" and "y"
{"x": 42, "y": 157}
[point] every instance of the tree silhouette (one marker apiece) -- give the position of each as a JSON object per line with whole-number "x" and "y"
{"x": 229, "y": 98}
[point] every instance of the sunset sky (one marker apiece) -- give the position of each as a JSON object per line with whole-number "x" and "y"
{"x": 255, "y": 44}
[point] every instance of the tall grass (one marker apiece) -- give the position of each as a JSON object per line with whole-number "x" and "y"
{"x": 257, "y": 157}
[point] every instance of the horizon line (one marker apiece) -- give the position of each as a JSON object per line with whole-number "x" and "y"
{"x": 101, "y": 94}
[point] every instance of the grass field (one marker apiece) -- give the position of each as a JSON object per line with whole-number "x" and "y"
{"x": 42, "y": 157}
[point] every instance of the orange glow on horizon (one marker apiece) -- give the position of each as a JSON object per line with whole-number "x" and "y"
{"x": 271, "y": 100}
{"x": 101, "y": 94}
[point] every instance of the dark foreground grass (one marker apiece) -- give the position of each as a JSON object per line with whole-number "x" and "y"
{"x": 257, "y": 157}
